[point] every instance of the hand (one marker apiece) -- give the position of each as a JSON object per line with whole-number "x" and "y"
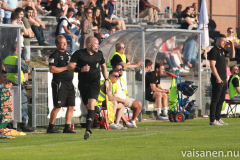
{"x": 167, "y": 91}
{"x": 180, "y": 46}
{"x": 85, "y": 68}
{"x": 158, "y": 9}
{"x": 229, "y": 43}
{"x": 219, "y": 81}
{"x": 125, "y": 103}
{"x": 20, "y": 22}
{"x": 75, "y": 37}
{"x": 140, "y": 63}
{"x": 189, "y": 64}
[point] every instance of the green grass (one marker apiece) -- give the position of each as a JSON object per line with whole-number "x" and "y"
{"x": 151, "y": 140}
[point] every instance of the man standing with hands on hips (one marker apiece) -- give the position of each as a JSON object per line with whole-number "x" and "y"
{"x": 87, "y": 63}
{"x": 218, "y": 78}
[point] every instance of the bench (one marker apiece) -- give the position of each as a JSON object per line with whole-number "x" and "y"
{"x": 232, "y": 109}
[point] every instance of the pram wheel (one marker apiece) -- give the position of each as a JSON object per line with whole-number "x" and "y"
{"x": 171, "y": 117}
{"x": 179, "y": 117}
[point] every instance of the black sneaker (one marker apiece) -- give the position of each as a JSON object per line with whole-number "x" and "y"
{"x": 53, "y": 130}
{"x": 68, "y": 130}
{"x": 27, "y": 129}
{"x": 87, "y": 135}
{"x": 44, "y": 43}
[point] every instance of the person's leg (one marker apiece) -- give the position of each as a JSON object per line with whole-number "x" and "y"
{"x": 53, "y": 115}
{"x": 24, "y": 107}
{"x": 155, "y": 15}
{"x": 6, "y": 20}
{"x": 37, "y": 33}
{"x": 150, "y": 14}
{"x": 165, "y": 103}
{"x": 65, "y": 8}
{"x": 70, "y": 38}
{"x": 90, "y": 115}
{"x": 119, "y": 22}
{"x": 144, "y": 13}
{"x": 167, "y": 58}
{"x": 136, "y": 108}
{"x": 216, "y": 93}
{"x": 120, "y": 113}
{"x": 158, "y": 101}
{"x": 220, "y": 102}
{"x": 178, "y": 54}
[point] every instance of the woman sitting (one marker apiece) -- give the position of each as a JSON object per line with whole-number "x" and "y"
{"x": 188, "y": 22}
{"x": 97, "y": 21}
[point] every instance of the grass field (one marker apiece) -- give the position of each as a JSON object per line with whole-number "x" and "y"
{"x": 151, "y": 140}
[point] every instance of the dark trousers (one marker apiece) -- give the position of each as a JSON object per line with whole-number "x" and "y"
{"x": 38, "y": 31}
{"x": 218, "y": 97}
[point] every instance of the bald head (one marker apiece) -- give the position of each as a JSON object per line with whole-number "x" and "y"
{"x": 120, "y": 47}
{"x": 92, "y": 44}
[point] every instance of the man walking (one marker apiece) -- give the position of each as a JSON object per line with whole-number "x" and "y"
{"x": 218, "y": 78}
{"x": 62, "y": 86}
{"x": 87, "y": 63}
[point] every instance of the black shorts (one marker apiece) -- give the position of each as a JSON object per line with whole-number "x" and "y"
{"x": 63, "y": 94}
{"x": 149, "y": 96}
{"x": 89, "y": 91}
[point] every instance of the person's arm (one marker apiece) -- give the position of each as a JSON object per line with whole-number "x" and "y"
{"x": 154, "y": 88}
{"x": 152, "y": 6}
{"x": 238, "y": 89}
{"x": 104, "y": 70}
{"x": 188, "y": 20}
{"x": 59, "y": 6}
{"x": 232, "y": 52}
{"x": 163, "y": 90}
{"x": 40, "y": 22}
{"x": 54, "y": 69}
{"x": 71, "y": 66}
{"x": 128, "y": 65}
{"x": 24, "y": 30}
{"x": 24, "y": 67}
{"x": 214, "y": 71}
{"x": 6, "y": 8}
{"x": 30, "y": 33}
{"x": 32, "y": 22}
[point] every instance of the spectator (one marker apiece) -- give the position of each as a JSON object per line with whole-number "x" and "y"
{"x": 58, "y": 8}
{"x": 80, "y": 8}
{"x": 35, "y": 5}
{"x": 97, "y": 20}
{"x": 191, "y": 50}
{"x": 36, "y": 26}
{"x": 9, "y": 6}
{"x": 62, "y": 86}
{"x": 234, "y": 70}
{"x": 87, "y": 27}
{"x": 148, "y": 68}
{"x": 218, "y": 78}
{"x": 122, "y": 93}
{"x": 3, "y": 79}
{"x": 234, "y": 87}
{"x": 87, "y": 63}
{"x": 110, "y": 31}
{"x": 101, "y": 38}
{"x": 155, "y": 93}
{"x": 187, "y": 21}
{"x": 91, "y": 4}
{"x": 112, "y": 18}
{"x": 11, "y": 62}
{"x": 105, "y": 21}
{"x": 195, "y": 12}
{"x": 148, "y": 10}
{"x": 178, "y": 13}
{"x": 118, "y": 28}
{"x": 120, "y": 57}
{"x": 64, "y": 28}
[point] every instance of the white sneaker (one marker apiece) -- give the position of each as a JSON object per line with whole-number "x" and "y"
{"x": 114, "y": 126}
{"x": 134, "y": 123}
{"x": 45, "y": 13}
{"x": 215, "y": 123}
{"x": 222, "y": 122}
{"x": 175, "y": 68}
{"x": 130, "y": 125}
{"x": 120, "y": 126}
{"x": 183, "y": 70}
{"x": 187, "y": 68}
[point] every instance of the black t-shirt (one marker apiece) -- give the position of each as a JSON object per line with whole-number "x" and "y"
{"x": 151, "y": 78}
{"x": 117, "y": 59}
{"x": 61, "y": 59}
{"x": 184, "y": 24}
{"x": 235, "y": 82}
{"x": 219, "y": 55}
{"x": 82, "y": 58}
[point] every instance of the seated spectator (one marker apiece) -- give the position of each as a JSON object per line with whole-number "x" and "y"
{"x": 155, "y": 93}
{"x": 80, "y": 8}
{"x": 195, "y": 12}
{"x": 234, "y": 87}
{"x": 122, "y": 93}
{"x": 87, "y": 27}
{"x": 105, "y": 20}
{"x": 58, "y": 8}
{"x": 36, "y": 26}
{"x": 97, "y": 20}
{"x": 64, "y": 28}
{"x": 3, "y": 79}
{"x": 148, "y": 10}
{"x": 188, "y": 22}
{"x": 120, "y": 57}
{"x": 101, "y": 38}
{"x": 91, "y": 4}
{"x": 191, "y": 50}
{"x": 110, "y": 31}
{"x": 113, "y": 18}
{"x": 35, "y": 5}
{"x": 149, "y": 65}
{"x": 178, "y": 13}
{"x": 234, "y": 70}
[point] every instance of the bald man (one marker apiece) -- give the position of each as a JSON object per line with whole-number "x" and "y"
{"x": 87, "y": 63}
{"x": 101, "y": 38}
{"x": 120, "y": 57}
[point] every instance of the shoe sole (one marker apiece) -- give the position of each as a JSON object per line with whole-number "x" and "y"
{"x": 86, "y": 135}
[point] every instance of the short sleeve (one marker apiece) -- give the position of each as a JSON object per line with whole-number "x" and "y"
{"x": 74, "y": 57}
{"x": 116, "y": 59}
{"x": 235, "y": 82}
{"x": 64, "y": 22}
{"x": 102, "y": 58}
{"x": 212, "y": 55}
{"x": 151, "y": 77}
{"x": 53, "y": 59}
{"x": 158, "y": 80}
{"x": 26, "y": 23}
{"x": 226, "y": 52}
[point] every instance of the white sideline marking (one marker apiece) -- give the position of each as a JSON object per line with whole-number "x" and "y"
{"x": 80, "y": 141}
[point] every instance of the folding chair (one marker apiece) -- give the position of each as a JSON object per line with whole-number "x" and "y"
{"x": 232, "y": 109}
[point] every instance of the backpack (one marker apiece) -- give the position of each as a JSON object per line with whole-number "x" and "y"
{"x": 59, "y": 22}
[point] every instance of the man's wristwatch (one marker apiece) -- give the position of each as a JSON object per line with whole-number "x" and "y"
{"x": 106, "y": 79}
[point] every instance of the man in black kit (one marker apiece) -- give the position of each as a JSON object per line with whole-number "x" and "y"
{"x": 218, "y": 78}
{"x": 62, "y": 86}
{"x": 87, "y": 63}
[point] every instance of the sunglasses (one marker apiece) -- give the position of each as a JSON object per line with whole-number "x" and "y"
{"x": 115, "y": 76}
{"x": 90, "y": 12}
{"x": 122, "y": 47}
{"x": 236, "y": 69}
{"x": 121, "y": 69}
{"x": 230, "y": 31}
{"x": 102, "y": 38}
